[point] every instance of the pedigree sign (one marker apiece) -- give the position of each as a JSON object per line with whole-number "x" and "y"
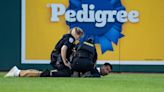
{"x": 122, "y": 30}
{"x": 88, "y": 14}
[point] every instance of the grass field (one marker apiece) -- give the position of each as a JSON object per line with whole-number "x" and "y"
{"x": 111, "y": 83}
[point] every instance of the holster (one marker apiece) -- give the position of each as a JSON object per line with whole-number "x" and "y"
{"x": 56, "y": 60}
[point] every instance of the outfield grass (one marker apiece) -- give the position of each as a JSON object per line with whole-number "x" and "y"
{"x": 111, "y": 83}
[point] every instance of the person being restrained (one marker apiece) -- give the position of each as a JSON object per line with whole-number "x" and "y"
{"x": 83, "y": 64}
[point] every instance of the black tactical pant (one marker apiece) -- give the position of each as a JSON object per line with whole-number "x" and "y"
{"x": 82, "y": 64}
{"x": 66, "y": 72}
{"x": 56, "y": 61}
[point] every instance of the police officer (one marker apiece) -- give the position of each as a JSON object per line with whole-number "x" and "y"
{"x": 85, "y": 57}
{"x": 59, "y": 57}
{"x": 62, "y": 51}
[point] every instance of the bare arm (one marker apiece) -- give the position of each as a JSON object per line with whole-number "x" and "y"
{"x": 63, "y": 55}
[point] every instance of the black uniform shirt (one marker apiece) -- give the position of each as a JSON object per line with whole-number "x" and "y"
{"x": 67, "y": 40}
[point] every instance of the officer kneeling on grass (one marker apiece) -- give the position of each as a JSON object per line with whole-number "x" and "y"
{"x": 60, "y": 56}
{"x": 84, "y": 61}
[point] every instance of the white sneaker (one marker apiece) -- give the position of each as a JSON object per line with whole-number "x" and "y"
{"x": 12, "y": 72}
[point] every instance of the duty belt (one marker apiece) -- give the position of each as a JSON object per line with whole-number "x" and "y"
{"x": 84, "y": 55}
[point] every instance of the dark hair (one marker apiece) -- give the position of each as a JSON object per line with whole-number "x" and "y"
{"x": 108, "y": 64}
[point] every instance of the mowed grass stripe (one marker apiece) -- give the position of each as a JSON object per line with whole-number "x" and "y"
{"x": 110, "y": 83}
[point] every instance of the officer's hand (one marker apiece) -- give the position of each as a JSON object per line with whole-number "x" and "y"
{"x": 87, "y": 74}
{"x": 68, "y": 65}
{"x": 74, "y": 52}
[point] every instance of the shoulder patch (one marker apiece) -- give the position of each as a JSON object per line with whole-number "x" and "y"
{"x": 71, "y": 40}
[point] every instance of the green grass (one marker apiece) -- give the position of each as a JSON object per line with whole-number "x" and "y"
{"x": 111, "y": 83}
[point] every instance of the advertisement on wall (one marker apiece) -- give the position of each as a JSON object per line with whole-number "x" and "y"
{"x": 124, "y": 31}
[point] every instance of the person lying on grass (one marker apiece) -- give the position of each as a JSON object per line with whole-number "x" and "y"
{"x": 104, "y": 69}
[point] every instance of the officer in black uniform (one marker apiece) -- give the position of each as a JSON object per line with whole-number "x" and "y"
{"x": 61, "y": 54}
{"x": 85, "y": 57}
{"x": 84, "y": 61}
{"x": 56, "y": 59}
